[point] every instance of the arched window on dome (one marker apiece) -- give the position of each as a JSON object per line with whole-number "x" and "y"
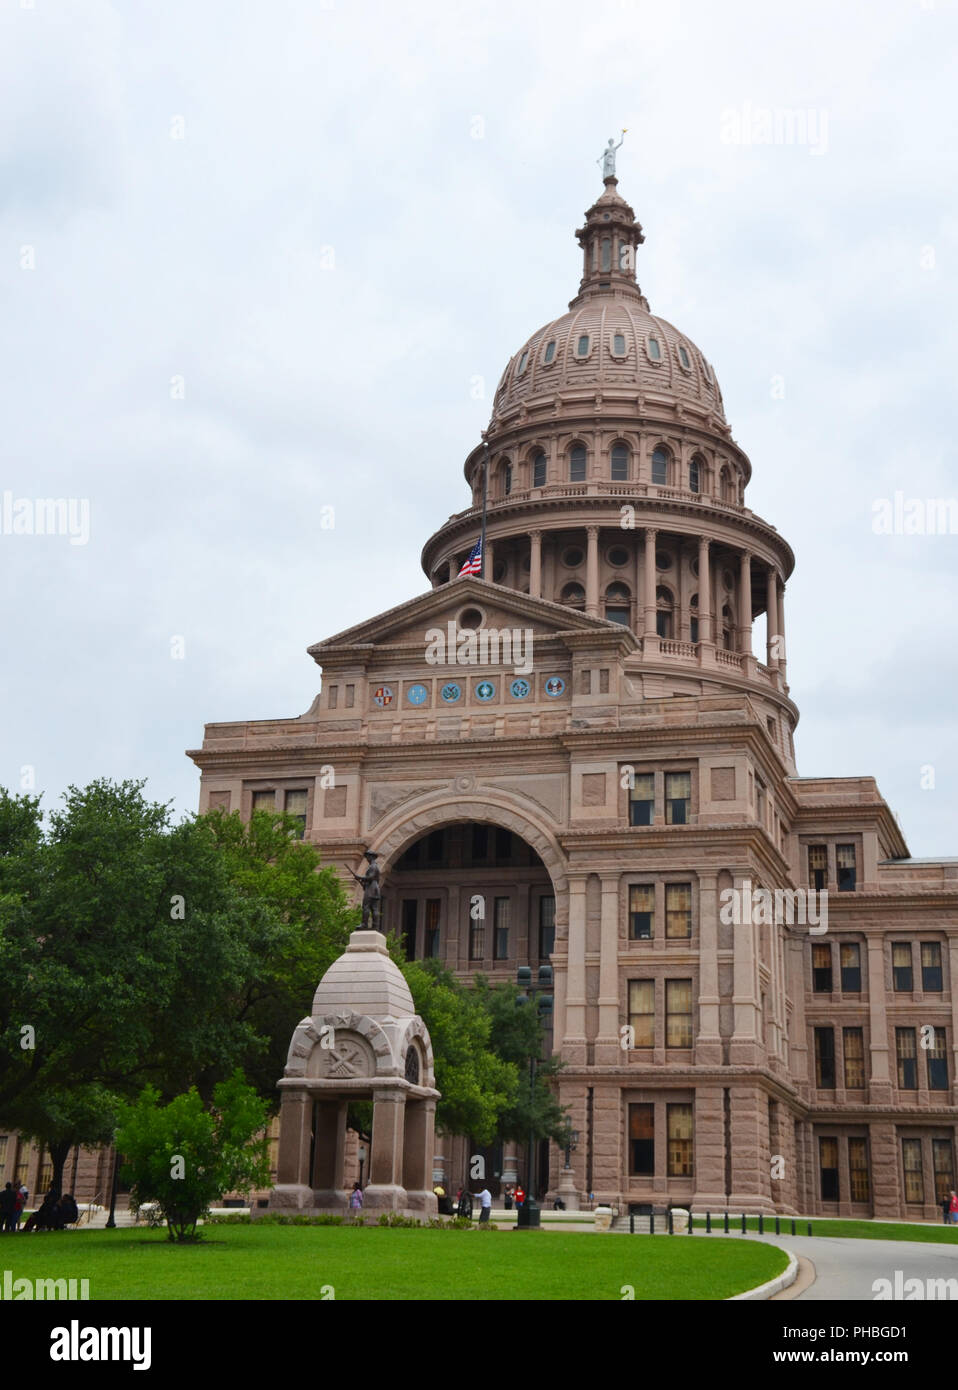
{"x": 684, "y": 358}
{"x": 618, "y": 344}
{"x": 660, "y": 466}
{"x": 619, "y": 463}
{"x": 573, "y": 596}
{"x": 655, "y": 351}
{"x": 577, "y": 463}
{"x": 522, "y": 362}
{"x": 550, "y": 351}
{"x": 506, "y": 479}
{"x": 618, "y": 604}
{"x": 725, "y": 485}
{"x": 664, "y": 611}
{"x": 539, "y": 470}
{"x": 582, "y": 347}
{"x": 605, "y": 258}
{"x": 696, "y": 473}
{"x": 694, "y": 618}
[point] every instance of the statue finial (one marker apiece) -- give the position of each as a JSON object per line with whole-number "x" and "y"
{"x": 607, "y": 157}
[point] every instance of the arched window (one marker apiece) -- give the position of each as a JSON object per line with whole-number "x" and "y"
{"x": 664, "y": 611}
{"x": 620, "y": 463}
{"x": 606, "y": 257}
{"x": 684, "y": 358}
{"x": 506, "y": 478}
{"x": 573, "y": 596}
{"x": 550, "y": 351}
{"x": 539, "y": 465}
{"x": 660, "y": 466}
{"x": 577, "y": 463}
{"x": 696, "y": 471}
{"x": 727, "y": 628}
{"x": 694, "y": 618}
{"x": 725, "y": 485}
{"x": 522, "y": 362}
{"x": 618, "y": 604}
{"x": 582, "y": 347}
{"x": 655, "y": 352}
{"x": 618, "y": 344}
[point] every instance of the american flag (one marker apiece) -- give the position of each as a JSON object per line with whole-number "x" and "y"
{"x": 473, "y": 564}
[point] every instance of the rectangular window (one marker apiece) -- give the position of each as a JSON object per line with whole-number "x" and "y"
{"x": 264, "y": 801}
{"x": 641, "y": 911}
{"x": 679, "y": 1123}
{"x": 901, "y": 966}
{"x": 845, "y": 862}
{"x": 818, "y": 867}
{"x": 642, "y": 799}
{"x": 938, "y": 1062}
{"x": 911, "y": 1164}
{"x": 434, "y": 846}
{"x": 858, "y": 1170}
{"x": 503, "y": 845}
{"x": 477, "y": 931}
{"x": 678, "y": 1013}
{"x": 45, "y": 1172}
{"x": 678, "y": 798}
{"x": 295, "y": 805}
{"x": 851, "y": 956}
{"x": 931, "y": 981}
{"x": 547, "y": 926}
{"x": 641, "y": 1141}
{"x": 409, "y": 912}
{"x": 431, "y": 935}
{"x": 943, "y": 1155}
{"x": 539, "y": 467}
{"x": 853, "y": 1046}
{"x": 907, "y": 1061}
{"x": 822, "y": 968}
{"x": 828, "y": 1167}
{"x": 23, "y": 1161}
{"x": 678, "y": 910}
{"x": 3, "y": 1155}
{"x": 500, "y": 942}
{"x": 480, "y": 843}
{"x": 333, "y": 696}
{"x": 642, "y": 1012}
{"x": 825, "y": 1059}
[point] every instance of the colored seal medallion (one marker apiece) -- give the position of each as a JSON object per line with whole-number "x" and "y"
{"x": 383, "y": 696}
{"x": 554, "y": 686}
{"x": 520, "y": 689}
{"x": 485, "y": 690}
{"x": 417, "y": 694}
{"x": 451, "y": 693}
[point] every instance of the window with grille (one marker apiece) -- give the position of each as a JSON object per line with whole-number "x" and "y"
{"x": 642, "y": 1140}
{"x": 641, "y": 911}
{"x": 45, "y": 1173}
{"x": 858, "y": 1170}
{"x": 23, "y": 1161}
{"x": 938, "y": 1062}
{"x": 618, "y": 344}
{"x": 679, "y": 1124}
{"x": 901, "y": 966}
{"x": 431, "y": 933}
{"x": 264, "y": 801}
{"x": 911, "y": 1165}
{"x": 845, "y": 862}
{"x": 507, "y": 479}
{"x": 620, "y": 462}
{"x": 851, "y": 958}
{"x": 539, "y": 471}
{"x": 678, "y": 909}
{"x": 547, "y": 926}
{"x": 943, "y": 1155}
{"x": 295, "y": 805}
{"x": 500, "y": 941}
{"x": 678, "y": 1013}
{"x": 825, "y": 1059}
{"x": 822, "y": 969}
{"x": 931, "y": 981}
{"x": 642, "y": 1012}
{"x": 678, "y": 798}
{"x": 660, "y": 466}
{"x": 477, "y": 934}
{"x": 818, "y": 867}
{"x": 695, "y": 476}
{"x": 828, "y": 1168}
{"x": 642, "y": 799}
{"x": 907, "y": 1060}
{"x": 853, "y": 1045}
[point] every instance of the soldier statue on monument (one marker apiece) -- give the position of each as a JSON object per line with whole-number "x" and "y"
{"x": 372, "y": 892}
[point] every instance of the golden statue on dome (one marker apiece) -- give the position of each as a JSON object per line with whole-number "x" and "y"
{"x": 607, "y": 157}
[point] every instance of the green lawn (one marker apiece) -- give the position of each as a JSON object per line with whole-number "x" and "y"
{"x": 297, "y": 1262}
{"x": 859, "y": 1230}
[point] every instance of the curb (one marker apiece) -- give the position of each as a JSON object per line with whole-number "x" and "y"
{"x": 762, "y": 1291}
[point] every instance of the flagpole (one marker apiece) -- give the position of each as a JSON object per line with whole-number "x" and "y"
{"x": 485, "y": 494}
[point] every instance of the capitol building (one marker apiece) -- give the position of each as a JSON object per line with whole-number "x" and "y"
{"x": 584, "y": 739}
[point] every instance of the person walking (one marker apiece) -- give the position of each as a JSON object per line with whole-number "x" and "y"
{"x": 485, "y": 1204}
{"x": 356, "y": 1198}
{"x": 22, "y": 1196}
{"x": 946, "y": 1208}
{"x": 8, "y": 1209}
{"x": 953, "y": 1207}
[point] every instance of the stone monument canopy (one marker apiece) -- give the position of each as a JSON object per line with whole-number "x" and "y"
{"x": 364, "y": 980}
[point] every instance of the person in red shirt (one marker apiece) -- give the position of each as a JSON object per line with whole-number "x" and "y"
{"x": 953, "y": 1208}
{"x": 520, "y": 1195}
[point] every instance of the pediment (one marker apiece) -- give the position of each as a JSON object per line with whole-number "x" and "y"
{"x": 409, "y": 624}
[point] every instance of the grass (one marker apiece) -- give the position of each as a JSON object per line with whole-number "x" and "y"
{"x": 849, "y": 1230}
{"x": 296, "y": 1262}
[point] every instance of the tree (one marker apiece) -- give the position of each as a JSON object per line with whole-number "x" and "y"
{"x": 184, "y": 1154}
{"x": 517, "y": 1036}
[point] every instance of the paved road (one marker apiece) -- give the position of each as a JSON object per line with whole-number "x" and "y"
{"x": 846, "y": 1269}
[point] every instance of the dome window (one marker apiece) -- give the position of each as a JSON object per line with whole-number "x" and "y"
{"x": 618, "y": 604}
{"x": 618, "y": 556}
{"x": 582, "y": 347}
{"x": 572, "y": 558}
{"x": 655, "y": 352}
{"x": 684, "y": 358}
{"x": 507, "y": 480}
{"x": 539, "y": 471}
{"x": 695, "y": 475}
{"x": 550, "y": 351}
{"x": 573, "y": 596}
{"x": 660, "y": 466}
{"x": 664, "y": 611}
{"x": 663, "y": 560}
{"x": 620, "y": 463}
{"x": 605, "y": 256}
{"x": 577, "y": 464}
{"x": 618, "y": 345}
{"x": 522, "y": 362}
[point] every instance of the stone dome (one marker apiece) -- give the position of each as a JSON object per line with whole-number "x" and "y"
{"x": 364, "y": 980}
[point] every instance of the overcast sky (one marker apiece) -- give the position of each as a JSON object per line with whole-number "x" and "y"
{"x": 254, "y": 258}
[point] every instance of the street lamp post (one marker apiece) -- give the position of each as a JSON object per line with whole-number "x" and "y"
{"x": 543, "y": 997}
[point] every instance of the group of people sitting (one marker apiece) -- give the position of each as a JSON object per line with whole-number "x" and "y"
{"x": 54, "y": 1213}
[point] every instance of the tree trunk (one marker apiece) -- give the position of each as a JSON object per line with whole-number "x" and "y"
{"x": 58, "y": 1156}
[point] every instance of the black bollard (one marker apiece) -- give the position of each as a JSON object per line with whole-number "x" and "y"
{"x": 651, "y": 1223}
{"x": 708, "y": 1223}
{"x": 809, "y": 1228}
{"x": 631, "y": 1223}
{"x": 671, "y": 1232}
{"x": 726, "y": 1223}
{"x": 793, "y": 1225}
{"x": 778, "y": 1227}
{"x": 743, "y": 1223}
{"x": 761, "y": 1224}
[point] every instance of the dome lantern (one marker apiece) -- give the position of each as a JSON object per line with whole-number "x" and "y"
{"x": 609, "y": 240}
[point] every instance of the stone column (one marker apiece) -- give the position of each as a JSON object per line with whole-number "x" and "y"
{"x": 708, "y": 1044}
{"x": 879, "y": 1074}
{"x": 295, "y": 1137}
{"x": 745, "y": 603}
{"x": 781, "y": 632}
{"x": 592, "y": 571}
{"x": 709, "y": 1149}
{"x": 510, "y": 1162}
{"x": 887, "y": 1196}
{"x": 419, "y": 1141}
{"x": 329, "y": 1154}
{"x": 744, "y": 1047}
{"x": 488, "y": 563}
{"x": 607, "y": 1050}
{"x": 535, "y": 564}
{"x": 574, "y": 1047}
{"x": 385, "y": 1191}
{"x": 649, "y": 582}
{"x": 705, "y": 591}
{"x": 771, "y": 619}
{"x": 751, "y": 1181}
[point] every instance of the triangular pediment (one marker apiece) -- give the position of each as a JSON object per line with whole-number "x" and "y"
{"x": 407, "y": 625}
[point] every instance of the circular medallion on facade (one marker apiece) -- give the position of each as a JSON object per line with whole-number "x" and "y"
{"x": 485, "y": 690}
{"x": 451, "y": 692}
{"x": 554, "y": 686}
{"x": 383, "y": 696}
{"x": 519, "y": 689}
{"x": 417, "y": 694}
{"x": 465, "y": 783}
